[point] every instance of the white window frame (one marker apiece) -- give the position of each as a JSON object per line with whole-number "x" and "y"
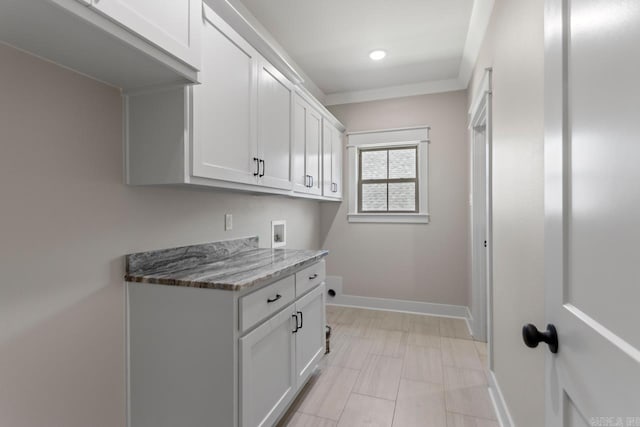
{"x": 404, "y": 137}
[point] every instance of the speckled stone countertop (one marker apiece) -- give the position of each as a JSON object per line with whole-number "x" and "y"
{"x": 230, "y": 265}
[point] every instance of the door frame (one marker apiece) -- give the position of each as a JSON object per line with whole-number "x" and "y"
{"x": 480, "y": 117}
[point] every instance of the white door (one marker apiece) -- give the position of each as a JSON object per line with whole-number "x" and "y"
{"x": 479, "y": 232}
{"x": 274, "y": 127}
{"x": 592, "y": 205}
{"x": 224, "y": 140}
{"x": 310, "y": 337}
{"x": 173, "y": 26}
{"x": 267, "y": 370}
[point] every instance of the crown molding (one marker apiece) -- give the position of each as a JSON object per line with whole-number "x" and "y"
{"x": 478, "y": 23}
{"x": 413, "y": 89}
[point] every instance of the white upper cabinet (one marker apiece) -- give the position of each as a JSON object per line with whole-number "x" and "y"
{"x": 274, "y": 127}
{"x": 224, "y": 105}
{"x": 130, "y": 44}
{"x": 244, "y": 127}
{"x": 307, "y": 124}
{"x": 332, "y": 161}
{"x": 172, "y": 26}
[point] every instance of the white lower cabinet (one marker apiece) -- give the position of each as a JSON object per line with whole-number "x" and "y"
{"x": 219, "y": 358}
{"x": 278, "y": 357}
{"x": 267, "y": 371}
{"x": 310, "y": 340}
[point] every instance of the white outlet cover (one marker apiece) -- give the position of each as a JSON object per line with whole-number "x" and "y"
{"x": 278, "y": 233}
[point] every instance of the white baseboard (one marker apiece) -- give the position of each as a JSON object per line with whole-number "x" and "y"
{"x": 444, "y": 310}
{"x": 469, "y": 319}
{"x": 499, "y": 404}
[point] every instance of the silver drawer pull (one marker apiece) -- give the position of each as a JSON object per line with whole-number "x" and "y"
{"x": 278, "y": 296}
{"x": 313, "y": 277}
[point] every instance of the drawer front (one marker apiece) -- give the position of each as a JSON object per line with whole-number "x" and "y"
{"x": 262, "y": 303}
{"x": 310, "y": 277}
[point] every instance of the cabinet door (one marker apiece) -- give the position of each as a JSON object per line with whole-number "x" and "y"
{"x": 223, "y": 141}
{"x": 300, "y": 180}
{"x": 274, "y": 127}
{"x": 327, "y": 159}
{"x": 331, "y": 161}
{"x": 267, "y": 370}
{"x": 173, "y": 26}
{"x": 310, "y": 338}
{"x": 336, "y": 163}
{"x": 313, "y": 146}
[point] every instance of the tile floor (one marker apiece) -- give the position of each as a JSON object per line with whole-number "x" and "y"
{"x": 390, "y": 369}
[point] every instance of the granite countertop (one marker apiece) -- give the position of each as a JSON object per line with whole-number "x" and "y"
{"x": 232, "y": 265}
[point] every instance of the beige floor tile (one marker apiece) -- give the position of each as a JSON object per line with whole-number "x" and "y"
{"x": 428, "y": 325}
{"x": 460, "y": 353}
{"x": 454, "y": 328}
{"x": 359, "y": 327}
{"x": 466, "y": 393}
{"x": 423, "y": 364}
{"x": 365, "y": 411}
{"x": 389, "y": 343}
{"x": 327, "y": 396}
{"x": 347, "y": 316}
{"x": 380, "y": 377}
{"x": 423, "y": 340}
{"x": 298, "y": 419}
{"x": 460, "y": 378}
{"x": 459, "y": 420}
{"x": 419, "y": 404}
{"x": 350, "y": 353}
{"x": 481, "y": 348}
{"x": 393, "y": 321}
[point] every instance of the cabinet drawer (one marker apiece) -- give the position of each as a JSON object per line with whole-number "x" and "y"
{"x": 266, "y": 301}
{"x": 310, "y": 277}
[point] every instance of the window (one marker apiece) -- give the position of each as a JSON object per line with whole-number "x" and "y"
{"x": 388, "y": 180}
{"x": 388, "y": 174}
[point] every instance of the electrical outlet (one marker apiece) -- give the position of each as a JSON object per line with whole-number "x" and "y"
{"x": 228, "y": 222}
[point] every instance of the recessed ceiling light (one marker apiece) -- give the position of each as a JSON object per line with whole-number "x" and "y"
{"x": 377, "y": 55}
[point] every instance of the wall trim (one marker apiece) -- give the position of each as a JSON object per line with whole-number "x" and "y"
{"x": 478, "y": 23}
{"x": 387, "y": 304}
{"x": 499, "y": 404}
{"x": 400, "y": 91}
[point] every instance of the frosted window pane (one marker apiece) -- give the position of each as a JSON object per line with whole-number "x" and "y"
{"x": 402, "y": 196}
{"x": 374, "y": 197}
{"x": 402, "y": 163}
{"x": 374, "y": 164}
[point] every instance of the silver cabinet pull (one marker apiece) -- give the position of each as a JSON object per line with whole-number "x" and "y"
{"x": 313, "y": 276}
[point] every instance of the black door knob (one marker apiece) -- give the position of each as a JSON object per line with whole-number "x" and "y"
{"x": 532, "y": 337}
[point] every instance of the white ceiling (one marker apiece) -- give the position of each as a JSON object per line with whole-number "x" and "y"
{"x": 331, "y": 39}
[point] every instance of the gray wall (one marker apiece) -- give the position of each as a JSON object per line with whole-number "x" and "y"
{"x": 67, "y": 220}
{"x": 417, "y": 262}
{"x": 514, "y": 47}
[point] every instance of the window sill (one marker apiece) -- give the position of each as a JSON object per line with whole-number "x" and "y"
{"x": 391, "y": 218}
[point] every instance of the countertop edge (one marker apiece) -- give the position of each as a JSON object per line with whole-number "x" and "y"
{"x": 268, "y": 277}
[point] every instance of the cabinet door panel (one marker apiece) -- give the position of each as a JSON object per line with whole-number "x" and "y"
{"x": 299, "y": 142}
{"x": 172, "y": 26}
{"x": 314, "y": 150}
{"x": 274, "y": 127}
{"x": 327, "y": 159}
{"x": 310, "y": 339}
{"x": 224, "y": 144}
{"x": 336, "y": 163}
{"x": 267, "y": 371}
